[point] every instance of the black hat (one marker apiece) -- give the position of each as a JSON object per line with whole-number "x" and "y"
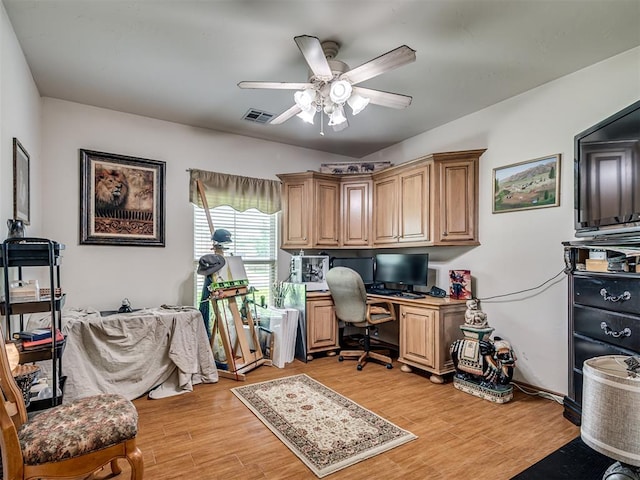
{"x": 210, "y": 263}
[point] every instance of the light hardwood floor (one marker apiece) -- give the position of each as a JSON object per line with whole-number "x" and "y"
{"x": 209, "y": 434}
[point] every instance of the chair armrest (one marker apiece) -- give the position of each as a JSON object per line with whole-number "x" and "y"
{"x": 380, "y": 311}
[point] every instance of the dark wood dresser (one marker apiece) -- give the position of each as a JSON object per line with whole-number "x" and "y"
{"x": 604, "y": 311}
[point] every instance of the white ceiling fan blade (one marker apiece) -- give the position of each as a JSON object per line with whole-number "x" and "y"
{"x": 384, "y": 99}
{"x": 314, "y": 55}
{"x": 275, "y": 85}
{"x": 286, "y": 115}
{"x": 384, "y": 63}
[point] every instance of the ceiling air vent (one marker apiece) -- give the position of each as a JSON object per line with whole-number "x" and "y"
{"x": 258, "y": 116}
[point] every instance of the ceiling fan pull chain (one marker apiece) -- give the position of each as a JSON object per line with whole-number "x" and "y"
{"x": 321, "y": 117}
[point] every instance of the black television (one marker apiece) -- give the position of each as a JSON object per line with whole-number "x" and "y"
{"x": 607, "y": 176}
{"x": 404, "y": 269}
{"x": 363, "y": 265}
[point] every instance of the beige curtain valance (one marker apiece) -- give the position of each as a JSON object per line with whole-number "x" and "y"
{"x": 240, "y": 193}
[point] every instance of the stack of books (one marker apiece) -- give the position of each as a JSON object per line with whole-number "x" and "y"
{"x": 36, "y": 339}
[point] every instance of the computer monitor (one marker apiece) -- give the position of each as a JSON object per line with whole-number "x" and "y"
{"x": 406, "y": 269}
{"x": 363, "y": 265}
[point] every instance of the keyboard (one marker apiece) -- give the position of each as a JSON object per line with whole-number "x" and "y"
{"x": 382, "y": 291}
{"x": 394, "y": 293}
{"x": 411, "y": 295}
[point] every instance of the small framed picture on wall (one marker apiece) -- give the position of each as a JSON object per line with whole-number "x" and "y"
{"x": 21, "y": 183}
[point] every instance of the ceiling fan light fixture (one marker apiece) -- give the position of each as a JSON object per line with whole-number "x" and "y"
{"x": 337, "y": 116}
{"x": 357, "y": 103}
{"x": 307, "y": 115}
{"x": 304, "y": 98}
{"x": 340, "y": 91}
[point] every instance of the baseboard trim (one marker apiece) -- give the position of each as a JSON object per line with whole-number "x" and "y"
{"x": 528, "y": 386}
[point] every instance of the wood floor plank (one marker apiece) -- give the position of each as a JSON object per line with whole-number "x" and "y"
{"x": 208, "y": 434}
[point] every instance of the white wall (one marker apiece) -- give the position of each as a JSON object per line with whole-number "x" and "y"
{"x": 520, "y": 250}
{"x": 101, "y": 276}
{"x": 20, "y": 118}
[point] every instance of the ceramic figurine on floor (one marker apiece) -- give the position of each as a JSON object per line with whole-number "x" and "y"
{"x": 484, "y": 367}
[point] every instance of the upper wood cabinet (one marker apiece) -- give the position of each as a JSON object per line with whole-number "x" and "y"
{"x": 429, "y": 201}
{"x": 310, "y": 210}
{"x": 401, "y": 205}
{"x": 355, "y": 201}
{"x": 455, "y": 199}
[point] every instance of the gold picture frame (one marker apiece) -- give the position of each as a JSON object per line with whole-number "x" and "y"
{"x": 121, "y": 200}
{"x": 527, "y": 185}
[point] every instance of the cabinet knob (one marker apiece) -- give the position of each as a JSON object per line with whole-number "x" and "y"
{"x": 613, "y": 298}
{"x": 444, "y": 234}
{"x": 625, "y": 332}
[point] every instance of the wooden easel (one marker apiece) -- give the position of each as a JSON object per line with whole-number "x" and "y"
{"x": 240, "y": 358}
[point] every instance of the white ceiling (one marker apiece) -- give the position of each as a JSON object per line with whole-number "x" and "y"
{"x": 181, "y": 60}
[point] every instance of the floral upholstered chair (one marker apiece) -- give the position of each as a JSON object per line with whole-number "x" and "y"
{"x": 71, "y": 440}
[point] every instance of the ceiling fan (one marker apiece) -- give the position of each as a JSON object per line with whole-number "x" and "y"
{"x": 332, "y": 83}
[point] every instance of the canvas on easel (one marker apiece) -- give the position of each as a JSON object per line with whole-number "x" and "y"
{"x": 460, "y": 284}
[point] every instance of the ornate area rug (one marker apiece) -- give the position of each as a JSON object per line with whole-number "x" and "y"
{"x": 325, "y": 430}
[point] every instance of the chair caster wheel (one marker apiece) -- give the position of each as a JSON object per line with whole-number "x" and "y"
{"x": 340, "y": 358}
{"x": 359, "y": 367}
{"x": 389, "y": 366}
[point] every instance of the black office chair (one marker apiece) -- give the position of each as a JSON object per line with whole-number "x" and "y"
{"x": 352, "y": 306}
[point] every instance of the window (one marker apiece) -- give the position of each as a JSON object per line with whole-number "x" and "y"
{"x": 254, "y": 238}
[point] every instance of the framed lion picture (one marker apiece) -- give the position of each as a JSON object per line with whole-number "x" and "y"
{"x": 121, "y": 200}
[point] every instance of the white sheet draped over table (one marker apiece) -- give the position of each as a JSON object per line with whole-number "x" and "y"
{"x": 163, "y": 351}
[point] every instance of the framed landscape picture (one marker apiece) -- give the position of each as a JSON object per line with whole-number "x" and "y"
{"x": 121, "y": 200}
{"x": 526, "y": 185}
{"x": 21, "y": 183}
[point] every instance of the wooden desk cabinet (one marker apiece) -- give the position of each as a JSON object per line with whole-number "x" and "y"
{"x": 428, "y": 326}
{"x": 322, "y": 324}
{"x": 427, "y": 329}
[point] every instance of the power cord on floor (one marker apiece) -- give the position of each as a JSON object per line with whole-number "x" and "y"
{"x": 539, "y": 393}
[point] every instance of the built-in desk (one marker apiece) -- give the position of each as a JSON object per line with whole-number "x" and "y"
{"x": 427, "y": 327}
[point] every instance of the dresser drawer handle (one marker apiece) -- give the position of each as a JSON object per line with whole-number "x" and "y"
{"x": 626, "y": 332}
{"x": 612, "y": 298}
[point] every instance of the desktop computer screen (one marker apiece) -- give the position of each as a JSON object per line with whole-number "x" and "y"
{"x": 402, "y": 268}
{"x": 362, "y": 265}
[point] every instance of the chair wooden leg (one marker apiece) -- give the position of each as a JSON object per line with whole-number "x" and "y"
{"x": 134, "y": 457}
{"x": 115, "y": 468}
{"x": 362, "y": 360}
{"x": 380, "y": 357}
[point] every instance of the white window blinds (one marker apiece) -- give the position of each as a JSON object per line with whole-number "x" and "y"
{"x": 254, "y": 238}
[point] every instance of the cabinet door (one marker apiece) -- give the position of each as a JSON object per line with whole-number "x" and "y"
{"x": 385, "y": 211}
{"x": 356, "y": 197}
{"x": 322, "y": 325}
{"x": 326, "y": 212}
{"x": 417, "y": 335}
{"x": 413, "y": 214}
{"x": 457, "y": 204}
{"x": 296, "y": 219}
